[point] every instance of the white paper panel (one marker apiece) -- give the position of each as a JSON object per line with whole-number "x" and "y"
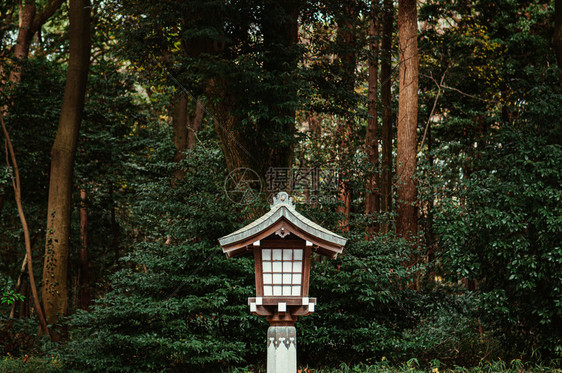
{"x": 287, "y": 267}
{"x": 267, "y": 278}
{"x": 287, "y": 290}
{"x": 266, "y": 254}
{"x": 287, "y": 278}
{"x": 277, "y": 278}
{"x": 268, "y": 291}
{"x": 277, "y": 254}
{"x": 297, "y": 267}
{"x": 298, "y": 254}
{"x": 296, "y": 291}
{"x": 267, "y": 266}
{"x": 297, "y": 279}
{"x": 277, "y": 290}
{"x": 277, "y": 266}
{"x": 287, "y": 254}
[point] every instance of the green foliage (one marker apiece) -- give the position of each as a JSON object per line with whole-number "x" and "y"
{"x": 494, "y": 167}
{"x": 363, "y": 303}
{"x": 10, "y": 296}
{"x": 508, "y": 234}
{"x": 489, "y": 182}
{"x": 177, "y": 303}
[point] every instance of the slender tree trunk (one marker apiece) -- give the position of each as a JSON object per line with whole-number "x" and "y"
{"x": 55, "y": 292}
{"x": 557, "y": 37}
{"x": 114, "y": 227}
{"x": 19, "y": 284}
{"x": 84, "y": 274}
{"x": 347, "y": 42}
{"x": 185, "y": 129}
{"x": 11, "y": 155}
{"x": 386, "y": 103}
{"x": 194, "y": 125}
{"x": 406, "y": 223}
{"x": 179, "y": 124}
{"x": 372, "y": 184}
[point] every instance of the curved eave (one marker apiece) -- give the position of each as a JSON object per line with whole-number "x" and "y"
{"x": 327, "y": 243}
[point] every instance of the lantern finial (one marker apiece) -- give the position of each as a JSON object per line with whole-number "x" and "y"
{"x": 283, "y": 199}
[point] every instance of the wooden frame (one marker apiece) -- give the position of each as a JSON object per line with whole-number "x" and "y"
{"x": 284, "y": 244}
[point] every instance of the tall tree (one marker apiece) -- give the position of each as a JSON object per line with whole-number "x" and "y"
{"x": 29, "y": 23}
{"x": 266, "y": 137}
{"x": 406, "y": 223}
{"x": 347, "y": 47}
{"x": 179, "y": 125}
{"x": 185, "y": 128}
{"x": 55, "y": 292}
{"x": 557, "y": 37}
{"x": 386, "y": 103}
{"x": 372, "y": 184}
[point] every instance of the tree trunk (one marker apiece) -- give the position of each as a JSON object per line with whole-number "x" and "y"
{"x": 249, "y": 146}
{"x": 194, "y": 125}
{"x": 386, "y": 102}
{"x": 25, "y": 33}
{"x": 179, "y": 124}
{"x": 406, "y": 223}
{"x": 19, "y": 285}
{"x": 84, "y": 274}
{"x": 114, "y": 227}
{"x": 557, "y": 37}
{"x": 372, "y": 184}
{"x": 27, "y": 237}
{"x": 55, "y": 292}
{"x": 30, "y": 23}
{"x": 347, "y": 43}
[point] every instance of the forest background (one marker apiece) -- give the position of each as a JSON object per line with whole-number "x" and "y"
{"x": 428, "y": 133}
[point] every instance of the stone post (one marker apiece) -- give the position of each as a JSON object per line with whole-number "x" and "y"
{"x": 282, "y": 349}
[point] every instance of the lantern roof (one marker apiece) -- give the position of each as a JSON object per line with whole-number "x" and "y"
{"x": 282, "y": 219}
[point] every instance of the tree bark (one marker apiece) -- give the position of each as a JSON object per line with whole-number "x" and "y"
{"x": 557, "y": 37}
{"x": 23, "y": 41}
{"x": 114, "y": 227}
{"x": 19, "y": 285}
{"x": 372, "y": 184}
{"x": 55, "y": 292}
{"x": 194, "y": 125}
{"x": 179, "y": 125}
{"x": 386, "y": 103}
{"x": 249, "y": 146}
{"x": 347, "y": 43}
{"x": 84, "y": 276}
{"x": 406, "y": 223}
{"x": 29, "y": 24}
{"x": 11, "y": 155}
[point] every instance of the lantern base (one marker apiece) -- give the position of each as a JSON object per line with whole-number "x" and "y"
{"x": 282, "y": 349}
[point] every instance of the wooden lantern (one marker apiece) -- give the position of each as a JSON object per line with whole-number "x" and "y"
{"x": 282, "y": 242}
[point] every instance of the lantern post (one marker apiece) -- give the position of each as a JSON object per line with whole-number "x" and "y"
{"x": 282, "y": 242}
